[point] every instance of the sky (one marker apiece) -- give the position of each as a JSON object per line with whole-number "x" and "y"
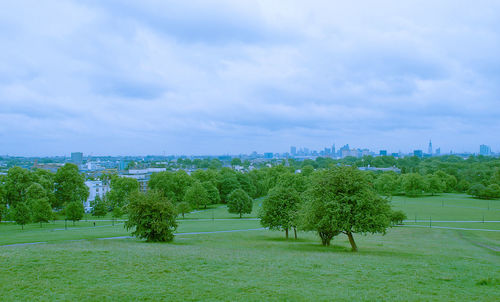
{"x": 231, "y": 77}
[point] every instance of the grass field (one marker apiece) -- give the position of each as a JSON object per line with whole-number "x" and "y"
{"x": 409, "y": 263}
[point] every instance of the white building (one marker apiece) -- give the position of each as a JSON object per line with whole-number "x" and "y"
{"x": 96, "y": 188}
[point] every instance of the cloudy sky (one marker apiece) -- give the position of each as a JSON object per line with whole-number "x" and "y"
{"x": 230, "y": 77}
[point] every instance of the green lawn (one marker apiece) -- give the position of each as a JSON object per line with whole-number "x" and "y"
{"x": 407, "y": 264}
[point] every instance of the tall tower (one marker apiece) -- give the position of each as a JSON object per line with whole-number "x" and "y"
{"x": 430, "y": 148}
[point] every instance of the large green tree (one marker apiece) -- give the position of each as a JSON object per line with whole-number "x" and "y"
{"x": 414, "y": 184}
{"x": 121, "y": 188}
{"x": 238, "y": 202}
{"x": 387, "y": 183}
{"x": 279, "y": 209}
{"x": 196, "y": 196}
{"x": 69, "y": 186}
{"x": 227, "y": 183}
{"x": 74, "y": 211}
{"x": 21, "y": 214}
{"x": 212, "y": 192}
{"x": 41, "y": 211}
{"x": 151, "y": 216}
{"x": 17, "y": 182}
{"x": 341, "y": 199}
{"x": 435, "y": 184}
{"x": 172, "y": 185}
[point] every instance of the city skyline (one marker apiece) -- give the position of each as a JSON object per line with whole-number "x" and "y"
{"x": 225, "y": 77}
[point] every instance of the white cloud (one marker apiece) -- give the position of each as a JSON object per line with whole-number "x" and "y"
{"x": 206, "y": 77}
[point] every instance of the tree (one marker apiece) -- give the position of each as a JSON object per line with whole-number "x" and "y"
{"x": 386, "y": 183}
{"x": 236, "y": 161}
{"x": 476, "y": 190}
{"x": 99, "y": 207}
{"x": 22, "y": 214}
{"x": 492, "y": 191}
{"x": 413, "y": 184}
{"x": 121, "y": 188}
{"x": 151, "y": 216}
{"x": 228, "y": 182}
{"x": 279, "y": 209}
{"x": 183, "y": 208}
{"x": 435, "y": 184}
{"x": 463, "y": 186}
{"x": 16, "y": 184}
{"x": 341, "y": 199}
{"x": 69, "y": 186}
{"x": 117, "y": 212}
{"x": 238, "y": 202}
{"x": 74, "y": 211}
{"x": 3, "y": 211}
{"x": 196, "y": 195}
{"x": 397, "y": 217}
{"x": 212, "y": 192}
{"x": 171, "y": 185}
{"x": 41, "y": 211}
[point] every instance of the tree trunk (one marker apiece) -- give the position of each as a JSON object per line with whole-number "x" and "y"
{"x": 295, "y": 232}
{"x": 182, "y": 215}
{"x": 286, "y": 233}
{"x": 240, "y": 215}
{"x": 40, "y": 224}
{"x": 351, "y": 241}
{"x": 22, "y": 226}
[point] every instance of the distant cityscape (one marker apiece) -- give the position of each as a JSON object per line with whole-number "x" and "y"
{"x": 142, "y": 167}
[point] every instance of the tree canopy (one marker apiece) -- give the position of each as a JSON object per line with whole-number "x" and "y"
{"x": 238, "y": 202}
{"x": 341, "y": 200}
{"x": 151, "y": 216}
{"x": 280, "y": 209}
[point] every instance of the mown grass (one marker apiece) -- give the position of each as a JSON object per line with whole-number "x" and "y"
{"x": 407, "y": 264}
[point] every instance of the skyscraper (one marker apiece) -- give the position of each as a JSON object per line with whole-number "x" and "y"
{"x": 77, "y": 158}
{"x": 430, "y": 148}
{"x": 484, "y": 150}
{"x": 293, "y": 150}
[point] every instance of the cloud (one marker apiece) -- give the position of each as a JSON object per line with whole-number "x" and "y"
{"x": 206, "y": 77}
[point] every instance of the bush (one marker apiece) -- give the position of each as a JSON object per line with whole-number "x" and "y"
{"x": 397, "y": 217}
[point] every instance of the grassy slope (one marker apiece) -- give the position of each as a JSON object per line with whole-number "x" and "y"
{"x": 406, "y": 264}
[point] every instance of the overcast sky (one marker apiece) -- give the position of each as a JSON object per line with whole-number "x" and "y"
{"x": 229, "y": 77}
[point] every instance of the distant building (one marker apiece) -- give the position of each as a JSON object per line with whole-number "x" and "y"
{"x": 438, "y": 151}
{"x": 484, "y": 150}
{"x": 429, "y": 149}
{"x": 268, "y": 155}
{"x": 333, "y": 149}
{"x": 383, "y": 153}
{"x": 418, "y": 153}
{"x": 96, "y": 188}
{"x": 77, "y": 158}
{"x": 293, "y": 150}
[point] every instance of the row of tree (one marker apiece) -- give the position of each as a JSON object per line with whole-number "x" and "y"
{"x": 27, "y": 196}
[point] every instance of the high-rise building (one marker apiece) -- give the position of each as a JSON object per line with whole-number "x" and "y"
{"x": 438, "y": 151}
{"x": 333, "y": 149}
{"x": 418, "y": 153}
{"x": 77, "y": 158}
{"x": 293, "y": 150}
{"x": 383, "y": 153}
{"x": 484, "y": 150}
{"x": 429, "y": 150}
